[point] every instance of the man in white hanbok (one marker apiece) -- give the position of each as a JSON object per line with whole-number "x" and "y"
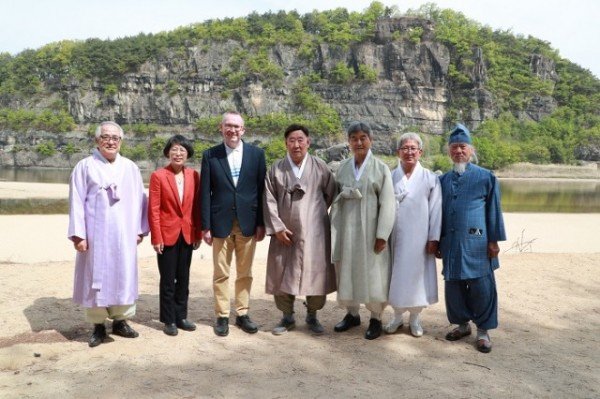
{"x": 416, "y": 235}
{"x": 362, "y": 219}
{"x": 107, "y": 220}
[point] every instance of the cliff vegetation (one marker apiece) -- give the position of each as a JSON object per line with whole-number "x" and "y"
{"x": 423, "y": 71}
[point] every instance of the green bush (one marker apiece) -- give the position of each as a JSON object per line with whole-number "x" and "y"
{"x": 209, "y": 125}
{"x": 341, "y": 74}
{"x": 200, "y": 147}
{"x": 141, "y": 129}
{"x": 136, "y": 153}
{"x": 110, "y": 90}
{"x": 172, "y": 87}
{"x": 22, "y": 120}
{"x": 275, "y": 149}
{"x": 367, "y": 74}
{"x": 439, "y": 162}
{"x": 46, "y": 148}
{"x": 70, "y": 149}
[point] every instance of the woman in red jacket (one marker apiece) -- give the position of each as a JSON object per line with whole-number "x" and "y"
{"x": 174, "y": 217}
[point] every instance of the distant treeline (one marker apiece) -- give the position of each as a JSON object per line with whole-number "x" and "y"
{"x": 570, "y": 133}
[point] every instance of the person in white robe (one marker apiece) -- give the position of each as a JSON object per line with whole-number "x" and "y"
{"x": 107, "y": 220}
{"x": 362, "y": 219}
{"x": 415, "y": 237}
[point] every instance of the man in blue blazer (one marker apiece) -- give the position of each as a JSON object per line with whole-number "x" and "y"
{"x": 472, "y": 225}
{"x": 232, "y": 184}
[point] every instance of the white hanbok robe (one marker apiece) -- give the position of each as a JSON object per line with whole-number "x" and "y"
{"x": 362, "y": 212}
{"x": 418, "y": 220}
{"x": 108, "y": 209}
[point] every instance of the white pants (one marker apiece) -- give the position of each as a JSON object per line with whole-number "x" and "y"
{"x": 119, "y": 312}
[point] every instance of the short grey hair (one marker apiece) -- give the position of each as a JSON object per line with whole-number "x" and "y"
{"x": 359, "y": 126}
{"x": 226, "y": 113}
{"x": 108, "y": 123}
{"x": 409, "y": 136}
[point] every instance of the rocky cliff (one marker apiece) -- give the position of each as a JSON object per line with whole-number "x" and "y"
{"x": 412, "y": 87}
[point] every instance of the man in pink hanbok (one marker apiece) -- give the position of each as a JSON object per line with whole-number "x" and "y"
{"x": 107, "y": 220}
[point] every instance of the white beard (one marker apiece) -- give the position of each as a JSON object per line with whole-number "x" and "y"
{"x": 460, "y": 167}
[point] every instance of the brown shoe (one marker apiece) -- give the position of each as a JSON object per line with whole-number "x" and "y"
{"x": 484, "y": 343}
{"x": 457, "y": 334}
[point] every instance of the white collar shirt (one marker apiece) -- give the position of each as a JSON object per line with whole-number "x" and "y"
{"x": 234, "y": 158}
{"x": 298, "y": 170}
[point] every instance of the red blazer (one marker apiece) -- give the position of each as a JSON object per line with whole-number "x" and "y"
{"x": 167, "y": 215}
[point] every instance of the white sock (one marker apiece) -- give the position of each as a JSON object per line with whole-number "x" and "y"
{"x": 482, "y": 334}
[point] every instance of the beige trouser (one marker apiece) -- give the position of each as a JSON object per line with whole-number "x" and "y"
{"x": 223, "y": 249}
{"x": 285, "y": 303}
{"x": 118, "y": 312}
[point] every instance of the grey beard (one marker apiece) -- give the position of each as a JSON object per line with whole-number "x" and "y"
{"x": 460, "y": 167}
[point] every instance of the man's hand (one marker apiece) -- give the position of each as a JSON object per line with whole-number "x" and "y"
{"x": 379, "y": 245}
{"x": 80, "y": 244}
{"x": 493, "y": 249}
{"x": 432, "y": 247}
{"x": 140, "y": 238}
{"x": 197, "y": 244}
{"x": 207, "y": 237}
{"x": 284, "y": 237}
{"x": 259, "y": 235}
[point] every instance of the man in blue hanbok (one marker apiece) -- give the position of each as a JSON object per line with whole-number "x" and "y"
{"x": 472, "y": 225}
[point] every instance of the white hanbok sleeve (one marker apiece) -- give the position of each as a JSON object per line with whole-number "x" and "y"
{"x": 435, "y": 211}
{"x": 77, "y": 196}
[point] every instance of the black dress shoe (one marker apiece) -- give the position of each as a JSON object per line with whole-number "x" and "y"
{"x": 222, "y": 326}
{"x": 347, "y": 323}
{"x": 170, "y": 329}
{"x": 98, "y": 335}
{"x": 246, "y": 324}
{"x": 120, "y": 327}
{"x": 186, "y": 325}
{"x": 374, "y": 330}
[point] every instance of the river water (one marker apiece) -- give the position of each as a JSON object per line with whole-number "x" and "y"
{"x": 518, "y": 195}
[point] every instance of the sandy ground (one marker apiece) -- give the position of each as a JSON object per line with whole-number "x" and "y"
{"x": 547, "y": 345}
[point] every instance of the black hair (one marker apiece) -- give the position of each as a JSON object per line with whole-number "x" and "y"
{"x": 295, "y": 126}
{"x": 180, "y": 140}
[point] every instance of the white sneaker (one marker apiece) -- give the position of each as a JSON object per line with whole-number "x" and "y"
{"x": 415, "y": 325}
{"x": 393, "y": 325}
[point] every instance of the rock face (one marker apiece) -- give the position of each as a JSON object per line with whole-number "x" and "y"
{"x": 412, "y": 90}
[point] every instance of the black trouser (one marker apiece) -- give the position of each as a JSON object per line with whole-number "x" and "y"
{"x": 174, "y": 268}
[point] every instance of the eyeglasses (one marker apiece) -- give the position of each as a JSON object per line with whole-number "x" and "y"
{"x": 178, "y": 150}
{"x": 233, "y": 127}
{"x": 105, "y": 138}
{"x": 409, "y": 149}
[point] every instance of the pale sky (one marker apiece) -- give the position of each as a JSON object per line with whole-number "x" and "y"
{"x": 571, "y": 27}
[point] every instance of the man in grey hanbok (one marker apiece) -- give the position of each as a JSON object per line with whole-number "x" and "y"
{"x": 298, "y": 191}
{"x": 362, "y": 218}
{"x": 415, "y": 237}
{"x": 472, "y": 225}
{"x": 107, "y": 220}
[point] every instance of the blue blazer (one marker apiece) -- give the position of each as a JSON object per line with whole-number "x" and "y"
{"x": 471, "y": 217}
{"x": 222, "y": 202}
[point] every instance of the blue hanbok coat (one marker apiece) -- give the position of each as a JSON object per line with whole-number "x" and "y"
{"x": 471, "y": 217}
